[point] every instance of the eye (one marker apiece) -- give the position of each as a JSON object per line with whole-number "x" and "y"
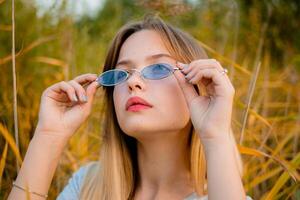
{"x": 160, "y": 68}
{"x": 156, "y": 71}
{"x": 113, "y": 77}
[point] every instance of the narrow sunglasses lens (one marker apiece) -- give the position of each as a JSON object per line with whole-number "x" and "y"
{"x": 112, "y": 77}
{"x": 157, "y": 71}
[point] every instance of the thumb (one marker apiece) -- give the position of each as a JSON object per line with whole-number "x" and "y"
{"x": 91, "y": 91}
{"x": 187, "y": 88}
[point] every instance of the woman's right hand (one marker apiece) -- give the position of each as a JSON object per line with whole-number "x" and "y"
{"x": 65, "y": 106}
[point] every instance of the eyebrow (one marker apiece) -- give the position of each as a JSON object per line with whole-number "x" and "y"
{"x": 151, "y": 57}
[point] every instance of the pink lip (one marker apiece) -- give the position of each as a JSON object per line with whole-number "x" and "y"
{"x": 136, "y": 104}
{"x": 137, "y": 107}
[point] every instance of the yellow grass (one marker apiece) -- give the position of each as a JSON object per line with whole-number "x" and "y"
{"x": 266, "y": 116}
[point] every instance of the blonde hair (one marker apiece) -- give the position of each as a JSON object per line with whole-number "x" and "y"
{"x": 116, "y": 176}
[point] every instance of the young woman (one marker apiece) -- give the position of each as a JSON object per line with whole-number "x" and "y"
{"x": 167, "y": 131}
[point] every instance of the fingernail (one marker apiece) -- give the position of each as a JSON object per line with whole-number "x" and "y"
{"x": 84, "y": 98}
{"x": 183, "y": 65}
{"x": 75, "y": 98}
{"x": 98, "y": 84}
{"x": 180, "y": 64}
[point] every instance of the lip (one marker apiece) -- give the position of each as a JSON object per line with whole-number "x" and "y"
{"x": 137, "y": 103}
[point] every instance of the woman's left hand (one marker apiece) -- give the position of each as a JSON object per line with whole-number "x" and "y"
{"x": 211, "y": 116}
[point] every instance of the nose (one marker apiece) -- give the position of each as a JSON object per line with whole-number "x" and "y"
{"x": 136, "y": 81}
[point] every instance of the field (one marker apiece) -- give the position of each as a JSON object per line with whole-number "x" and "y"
{"x": 257, "y": 41}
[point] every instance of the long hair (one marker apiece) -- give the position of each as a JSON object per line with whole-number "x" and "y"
{"x": 115, "y": 176}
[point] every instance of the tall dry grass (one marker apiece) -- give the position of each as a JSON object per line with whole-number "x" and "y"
{"x": 266, "y": 118}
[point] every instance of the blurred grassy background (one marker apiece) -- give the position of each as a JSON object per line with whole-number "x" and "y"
{"x": 258, "y": 41}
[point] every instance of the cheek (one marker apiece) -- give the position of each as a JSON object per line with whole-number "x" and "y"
{"x": 172, "y": 102}
{"x": 118, "y": 98}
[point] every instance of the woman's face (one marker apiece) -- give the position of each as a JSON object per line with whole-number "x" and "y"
{"x": 168, "y": 111}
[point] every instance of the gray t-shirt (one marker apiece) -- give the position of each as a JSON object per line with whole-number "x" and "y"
{"x": 71, "y": 190}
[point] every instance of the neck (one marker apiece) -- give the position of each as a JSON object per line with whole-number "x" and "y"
{"x": 164, "y": 163}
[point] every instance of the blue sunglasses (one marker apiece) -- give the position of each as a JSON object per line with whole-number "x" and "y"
{"x": 153, "y": 72}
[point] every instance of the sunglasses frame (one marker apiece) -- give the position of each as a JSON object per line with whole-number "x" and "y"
{"x": 128, "y": 73}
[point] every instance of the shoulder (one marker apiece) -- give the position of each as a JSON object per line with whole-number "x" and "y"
{"x": 72, "y": 189}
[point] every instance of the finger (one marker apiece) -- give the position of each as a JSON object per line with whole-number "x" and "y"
{"x": 90, "y": 92}
{"x": 91, "y": 89}
{"x": 84, "y": 78}
{"x": 185, "y": 68}
{"x": 80, "y": 92}
{"x": 222, "y": 88}
{"x": 204, "y": 64}
{"x": 66, "y": 88}
{"x": 189, "y": 68}
{"x": 191, "y": 73}
{"x": 218, "y": 64}
{"x": 195, "y": 70}
{"x": 188, "y": 90}
{"x": 207, "y": 63}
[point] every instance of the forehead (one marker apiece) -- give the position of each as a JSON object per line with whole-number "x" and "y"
{"x": 141, "y": 44}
